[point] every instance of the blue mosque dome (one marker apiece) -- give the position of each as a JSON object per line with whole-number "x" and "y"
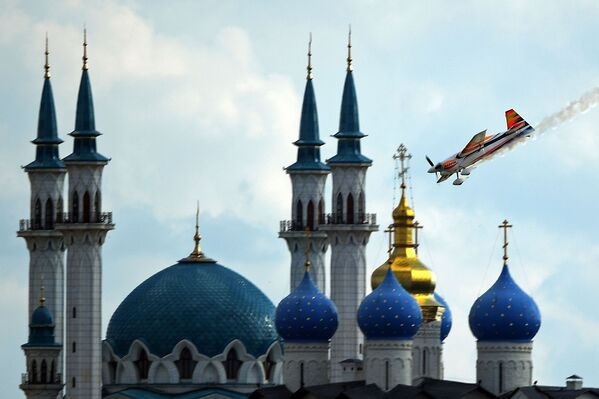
{"x": 505, "y": 312}
{"x": 306, "y": 314}
{"x": 41, "y": 317}
{"x": 196, "y": 299}
{"x": 389, "y": 312}
{"x": 446, "y": 320}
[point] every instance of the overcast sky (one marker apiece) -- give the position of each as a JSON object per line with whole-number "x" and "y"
{"x": 201, "y": 100}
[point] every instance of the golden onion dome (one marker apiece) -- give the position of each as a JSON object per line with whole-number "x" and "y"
{"x": 413, "y": 275}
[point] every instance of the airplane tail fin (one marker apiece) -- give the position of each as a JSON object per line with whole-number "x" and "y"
{"x": 514, "y": 120}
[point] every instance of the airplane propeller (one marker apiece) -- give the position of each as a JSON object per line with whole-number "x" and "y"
{"x": 432, "y": 164}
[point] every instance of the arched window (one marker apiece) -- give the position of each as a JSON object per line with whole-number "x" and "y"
{"x": 75, "y": 211}
{"x": 33, "y": 376}
{"x": 269, "y": 364}
{"x": 44, "y": 372}
{"x": 299, "y": 215}
{"x": 98, "y": 203}
{"x": 86, "y": 208}
{"x": 185, "y": 364}
{"x": 52, "y": 372}
{"x": 232, "y": 364}
{"x": 49, "y": 214}
{"x": 361, "y": 208}
{"x": 59, "y": 210}
{"x": 320, "y": 211}
{"x": 143, "y": 365}
{"x": 310, "y": 215}
{"x": 37, "y": 215}
{"x": 339, "y": 209}
{"x": 350, "y": 209}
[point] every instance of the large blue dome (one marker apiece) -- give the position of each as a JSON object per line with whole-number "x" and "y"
{"x": 505, "y": 312}
{"x": 389, "y": 312}
{"x": 203, "y": 302}
{"x": 306, "y": 314}
{"x": 446, "y": 319}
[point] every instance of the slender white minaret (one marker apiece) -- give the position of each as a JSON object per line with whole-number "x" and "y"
{"x": 308, "y": 177}
{"x": 348, "y": 229}
{"x": 84, "y": 232}
{"x": 306, "y": 319}
{"x": 45, "y": 244}
{"x": 43, "y": 379}
{"x": 504, "y": 319}
{"x": 389, "y": 318}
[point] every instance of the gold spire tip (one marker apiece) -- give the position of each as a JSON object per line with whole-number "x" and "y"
{"x": 42, "y": 296}
{"x": 85, "y": 66}
{"x": 47, "y": 63}
{"x": 309, "y": 68}
{"x": 197, "y": 250}
{"x": 505, "y": 225}
{"x": 349, "y": 58}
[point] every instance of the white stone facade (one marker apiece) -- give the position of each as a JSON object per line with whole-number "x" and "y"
{"x": 307, "y": 210}
{"x": 502, "y": 366}
{"x": 427, "y": 351}
{"x": 85, "y": 190}
{"x": 306, "y": 364}
{"x": 42, "y": 379}
{"x": 118, "y": 372}
{"x": 388, "y": 363}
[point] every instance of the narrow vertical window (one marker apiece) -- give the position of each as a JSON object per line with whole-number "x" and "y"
{"x": 44, "y": 372}
{"x": 33, "y": 376}
{"x": 185, "y": 364}
{"x": 75, "y": 207}
{"x": 361, "y": 208}
{"x": 74, "y": 312}
{"x": 59, "y": 210}
{"x": 310, "y": 216}
{"x": 299, "y": 215}
{"x": 86, "y": 208}
{"x": 320, "y": 211}
{"x": 143, "y": 365}
{"x": 339, "y": 209}
{"x": 73, "y": 382}
{"x": 269, "y": 363}
{"x": 350, "y": 209}
{"x": 232, "y": 364}
{"x": 500, "y": 377}
{"x": 98, "y": 204}
{"x": 74, "y": 347}
{"x": 302, "y": 374}
{"x": 424, "y": 362}
{"x": 37, "y": 215}
{"x": 53, "y": 372}
{"x": 386, "y": 375}
{"x": 49, "y": 222}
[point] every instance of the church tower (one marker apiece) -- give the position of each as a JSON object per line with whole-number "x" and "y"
{"x": 84, "y": 233}
{"x": 42, "y": 380}
{"x": 348, "y": 229}
{"x": 308, "y": 177}
{"x": 45, "y": 244}
{"x": 504, "y": 320}
{"x": 418, "y": 280}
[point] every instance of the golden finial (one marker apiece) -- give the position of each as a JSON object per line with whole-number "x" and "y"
{"x": 42, "y": 296}
{"x": 309, "y": 77}
{"x": 197, "y": 250}
{"x": 402, "y": 155}
{"x": 505, "y": 225}
{"x": 47, "y": 64}
{"x": 308, "y": 238}
{"x": 85, "y": 67}
{"x": 349, "y": 59}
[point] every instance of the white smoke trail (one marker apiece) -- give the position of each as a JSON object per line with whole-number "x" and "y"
{"x": 579, "y": 106}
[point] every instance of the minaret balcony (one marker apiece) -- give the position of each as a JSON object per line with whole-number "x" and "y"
{"x": 359, "y": 219}
{"x": 27, "y": 380}
{"x": 65, "y": 218}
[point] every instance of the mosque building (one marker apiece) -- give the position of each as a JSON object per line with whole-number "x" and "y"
{"x": 197, "y": 329}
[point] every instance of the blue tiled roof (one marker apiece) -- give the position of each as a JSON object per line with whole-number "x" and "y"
{"x": 505, "y": 312}
{"x": 41, "y": 328}
{"x": 446, "y": 319}
{"x": 308, "y": 152}
{"x": 306, "y": 314}
{"x": 389, "y": 312}
{"x": 205, "y": 303}
{"x": 85, "y": 133}
{"x": 349, "y": 134}
{"x": 47, "y": 140}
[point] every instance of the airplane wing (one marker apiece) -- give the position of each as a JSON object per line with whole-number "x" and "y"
{"x": 473, "y": 144}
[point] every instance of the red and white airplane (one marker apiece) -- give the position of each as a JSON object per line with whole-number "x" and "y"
{"x": 480, "y": 147}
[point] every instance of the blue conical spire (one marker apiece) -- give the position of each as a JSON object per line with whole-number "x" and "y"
{"x": 47, "y": 139}
{"x": 308, "y": 152}
{"x": 41, "y": 328}
{"x": 85, "y": 132}
{"x": 349, "y": 134}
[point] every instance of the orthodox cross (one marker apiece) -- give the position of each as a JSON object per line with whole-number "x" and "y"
{"x": 505, "y": 225}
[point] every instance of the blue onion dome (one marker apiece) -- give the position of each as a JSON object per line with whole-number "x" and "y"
{"x": 196, "y": 299}
{"x": 41, "y": 317}
{"x": 41, "y": 328}
{"x": 389, "y": 312}
{"x": 505, "y": 312}
{"x": 306, "y": 314}
{"x": 446, "y": 319}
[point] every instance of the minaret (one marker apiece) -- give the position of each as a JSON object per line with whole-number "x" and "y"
{"x": 45, "y": 244}
{"x": 306, "y": 319}
{"x": 418, "y": 280}
{"x": 84, "y": 232}
{"x": 505, "y": 320}
{"x": 42, "y": 380}
{"x": 308, "y": 177}
{"x": 389, "y": 318}
{"x": 348, "y": 229}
